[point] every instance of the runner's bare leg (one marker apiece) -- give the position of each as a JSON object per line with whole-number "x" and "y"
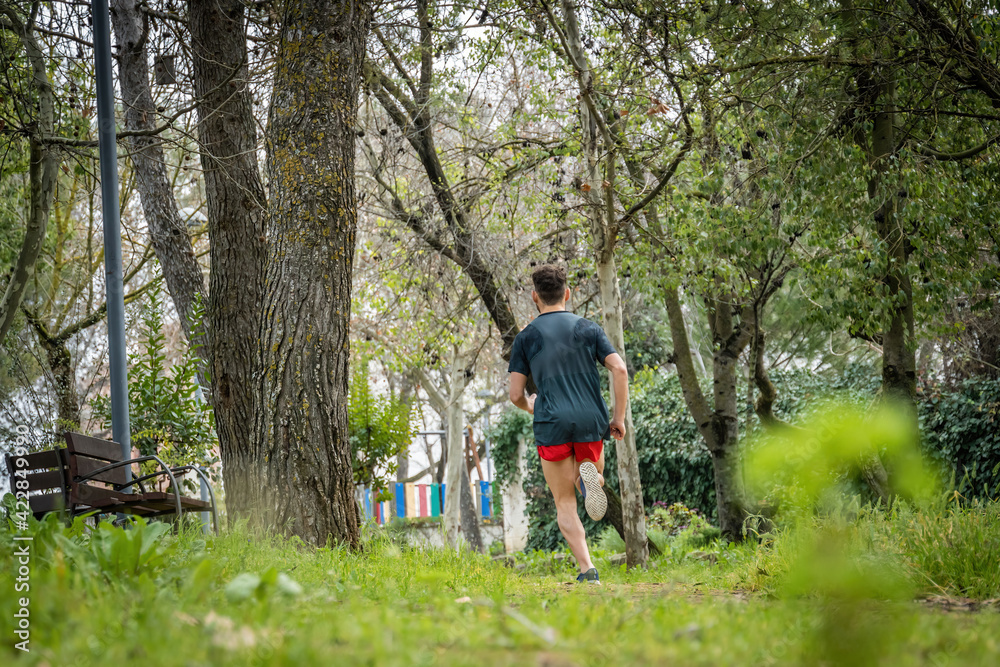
{"x": 561, "y": 478}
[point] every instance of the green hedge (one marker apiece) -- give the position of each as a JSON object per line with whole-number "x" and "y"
{"x": 961, "y": 433}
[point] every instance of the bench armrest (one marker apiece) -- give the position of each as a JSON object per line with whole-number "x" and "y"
{"x": 175, "y": 470}
{"x": 138, "y": 482}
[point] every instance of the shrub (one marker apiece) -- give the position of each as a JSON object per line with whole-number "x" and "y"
{"x": 961, "y": 433}
{"x": 167, "y": 415}
{"x": 379, "y": 429}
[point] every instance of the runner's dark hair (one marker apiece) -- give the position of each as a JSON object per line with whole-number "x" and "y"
{"x": 550, "y": 283}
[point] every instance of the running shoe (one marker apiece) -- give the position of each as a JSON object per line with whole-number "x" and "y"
{"x": 593, "y": 493}
{"x": 590, "y": 577}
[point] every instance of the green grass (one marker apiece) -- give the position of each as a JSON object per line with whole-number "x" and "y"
{"x": 132, "y": 597}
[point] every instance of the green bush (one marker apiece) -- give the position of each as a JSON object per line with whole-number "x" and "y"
{"x": 167, "y": 415}
{"x": 674, "y": 462}
{"x": 379, "y": 429}
{"x": 107, "y": 553}
{"x": 961, "y": 433}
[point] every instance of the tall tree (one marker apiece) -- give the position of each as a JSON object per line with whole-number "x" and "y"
{"x": 236, "y": 207}
{"x": 302, "y": 446}
{"x": 280, "y": 282}
{"x": 167, "y": 231}
{"x": 411, "y": 109}
{"x": 604, "y": 227}
{"x": 43, "y": 160}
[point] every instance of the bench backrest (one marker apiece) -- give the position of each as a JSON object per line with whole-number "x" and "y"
{"x": 45, "y": 476}
{"x": 87, "y": 454}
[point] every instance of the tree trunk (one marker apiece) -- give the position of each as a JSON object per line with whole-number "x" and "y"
{"x": 730, "y": 499}
{"x": 42, "y": 171}
{"x": 718, "y": 427}
{"x": 633, "y": 512}
{"x": 403, "y": 458}
{"x": 899, "y": 363}
{"x": 60, "y": 364}
{"x": 67, "y": 399}
{"x": 724, "y": 446}
{"x": 470, "y": 518}
{"x": 454, "y": 448}
{"x": 603, "y": 238}
{"x": 303, "y": 452}
{"x": 167, "y": 231}
{"x": 614, "y": 517}
{"x": 925, "y": 355}
{"x": 442, "y": 464}
{"x": 235, "y": 205}
{"x": 876, "y": 92}
{"x": 764, "y": 406}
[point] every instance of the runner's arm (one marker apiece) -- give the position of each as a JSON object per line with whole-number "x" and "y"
{"x": 619, "y": 380}
{"x": 517, "y": 397}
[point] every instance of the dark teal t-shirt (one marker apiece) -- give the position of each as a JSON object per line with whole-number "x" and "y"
{"x": 561, "y": 351}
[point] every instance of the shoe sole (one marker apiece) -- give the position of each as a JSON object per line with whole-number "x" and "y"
{"x": 596, "y": 501}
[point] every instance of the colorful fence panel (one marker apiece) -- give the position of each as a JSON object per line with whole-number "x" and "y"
{"x": 412, "y": 501}
{"x": 486, "y": 499}
{"x": 400, "y": 498}
{"x": 436, "y": 499}
{"x": 422, "y": 497}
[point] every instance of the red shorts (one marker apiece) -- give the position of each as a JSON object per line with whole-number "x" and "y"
{"x": 582, "y": 450}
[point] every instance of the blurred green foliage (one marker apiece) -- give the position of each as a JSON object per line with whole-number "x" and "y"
{"x": 797, "y": 468}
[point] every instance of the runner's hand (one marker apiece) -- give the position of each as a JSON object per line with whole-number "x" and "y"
{"x": 531, "y": 404}
{"x": 617, "y": 429}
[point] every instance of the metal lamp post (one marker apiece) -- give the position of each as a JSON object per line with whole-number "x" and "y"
{"x": 115, "y": 290}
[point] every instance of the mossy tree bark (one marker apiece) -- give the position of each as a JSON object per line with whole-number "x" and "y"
{"x": 60, "y": 363}
{"x": 303, "y": 451}
{"x": 60, "y": 359}
{"x": 281, "y": 270}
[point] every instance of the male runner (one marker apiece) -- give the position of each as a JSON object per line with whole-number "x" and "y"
{"x": 561, "y": 351}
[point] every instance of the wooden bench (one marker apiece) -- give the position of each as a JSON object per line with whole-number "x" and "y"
{"x": 46, "y": 477}
{"x": 91, "y": 475}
